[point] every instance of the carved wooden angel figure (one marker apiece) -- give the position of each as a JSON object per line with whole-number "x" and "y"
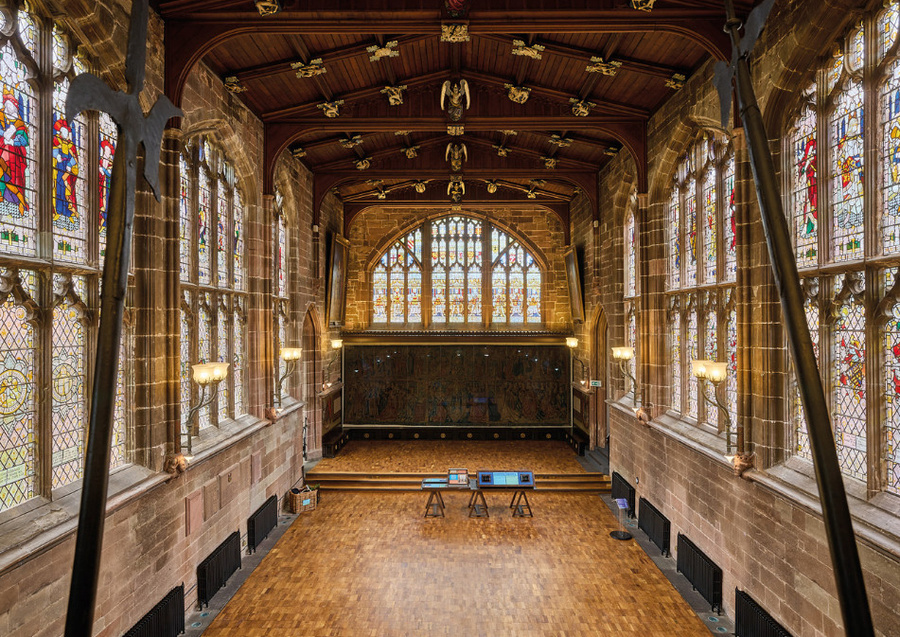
{"x": 453, "y": 95}
{"x": 456, "y": 189}
{"x": 456, "y": 154}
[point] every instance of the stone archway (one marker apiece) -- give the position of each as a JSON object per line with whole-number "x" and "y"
{"x": 311, "y": 384}
{"x": 599, "y": 428}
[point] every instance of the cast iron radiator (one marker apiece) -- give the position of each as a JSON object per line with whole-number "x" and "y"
{"x": 214, "y": 571}
{"x": 700, "y": 571}
{"x": 621, "y": 489}
{"x": 655, "y": 525}
{"x": 262, "y": 522}
{"x": 751, "y": 620}
{"x": 166, "y": 619}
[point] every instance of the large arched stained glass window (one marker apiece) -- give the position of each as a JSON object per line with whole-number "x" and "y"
{"x": 846, "y": 230}
{"x": 702, "y": 272}
{"x": 435, "y": 275}
{"x": 213, "y": 279}
{"x": 45, "y": 382}
{"x": 397, "y": 283}
{"x": 515, "y": 281}
{"x": 456, "y": 264}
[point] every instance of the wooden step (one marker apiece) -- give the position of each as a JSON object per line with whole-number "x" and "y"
{"x": 412, "y": 481}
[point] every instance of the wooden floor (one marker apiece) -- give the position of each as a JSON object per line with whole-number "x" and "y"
{"x": 551, "y": 456}
{"x": 370, "y": 564}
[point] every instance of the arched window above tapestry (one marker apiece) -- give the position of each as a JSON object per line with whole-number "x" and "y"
{"x": 846, "y": 235}
{"x": 457, "y": 272}
{"x": 213, "y": 277}
{"x": 702, "y": 272}
{"x": 50, "y": 289}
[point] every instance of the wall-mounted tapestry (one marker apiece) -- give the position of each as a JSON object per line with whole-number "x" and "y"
{"x": 497, "y": 385}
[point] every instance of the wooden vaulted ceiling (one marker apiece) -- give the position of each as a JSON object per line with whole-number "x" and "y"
{"x": 551, "y": 152}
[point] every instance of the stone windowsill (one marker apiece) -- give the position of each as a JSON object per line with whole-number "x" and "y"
{"x": 876, "y": 521}
{"x": 38, "y": 525}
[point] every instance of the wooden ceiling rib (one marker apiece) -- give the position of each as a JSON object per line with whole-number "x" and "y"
{"x": 674, "y": 39}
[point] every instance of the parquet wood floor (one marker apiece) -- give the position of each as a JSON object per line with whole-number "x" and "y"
{"x": 550, "y": 456}
{"x": 369, "y": 564}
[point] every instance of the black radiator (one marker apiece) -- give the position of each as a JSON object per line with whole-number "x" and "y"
{"x": 262, "y": 522}
{"x": 214, "y": 571}
{"x": 700, "y": 571}
{"x": 751, "y": 620}
{"x": 655, "y": 525}
{"x": 166, "y": 619}
{"x": 621, "y": 489}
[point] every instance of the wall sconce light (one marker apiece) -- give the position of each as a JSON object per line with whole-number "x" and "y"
{"x": 289, "y": 355}
{"x": 623, "y": 355}
{"x": 571, "y": 342}
{"x": 714, "y": 372}
{"x": 204, "y": 374}
{"x": 336, "y": 344}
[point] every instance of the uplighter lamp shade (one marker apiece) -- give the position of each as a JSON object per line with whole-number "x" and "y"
{"x": 337, "y": 343}
{"x": 623, "y": 353}
{"x": 716, "y": 372}
{"x": 698, "y": 367}
{"x": 209, "y": 373}
{"x": 291, "y": 353}
{"x": 571, "y": 342}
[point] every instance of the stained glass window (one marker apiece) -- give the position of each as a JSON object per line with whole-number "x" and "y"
{"x": 17, "y": 396}
{"x": 711, "y": 352}
{"x": 18, "y": 148}
{"x": 804, "y": 193}
{"x": 729, "y": 227}
{"x": 630, "y": 257}
{"x": 848, "y": 352}
{"x": 107, "y": 146}
{"x": 237, "y": 359}
{"x": 512, "y": 268}
{"x": 68, "y": 384}
{"x": 890, "y": 143}
{"x": 690, "y": 229}
{"x": 887, "y": 28}
{"x": 36, "y": 68}
{"x": 631, "y": 340}
{"x": 675, "y": 351}
{"x": 710, "y": 223}
{"x": 204, "y": 233}
{"x": 205, "y": 337}
{"x": 218, "y": 275}
{"x": 692, "y": 344}
{"x": 847, "y": 160}
{"x": 281, "y": 258}
{"x": 397, "y": 282}
{"x": 891, "y": 388}
{"x": 223, "y": 249}
{"x": 703, "y": 193}
{"x": 731, "y": 360}
{"x": 186, "y": 219}
{"x": 237, "y": 246}
{"x": 675, "y": 240}
{"x": 223, "y": 336}
{"x": 459, "y": 250}
{"x": 69, "y": 186}
{"x": 802, "y": 448}
{"x": 458, "y": 264}
{"x": 187, "y": 356}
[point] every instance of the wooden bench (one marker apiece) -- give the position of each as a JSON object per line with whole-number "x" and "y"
{"x": 333, "y": 441}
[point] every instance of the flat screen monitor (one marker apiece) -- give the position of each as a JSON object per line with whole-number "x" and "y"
{"x": 458, "y": 477}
